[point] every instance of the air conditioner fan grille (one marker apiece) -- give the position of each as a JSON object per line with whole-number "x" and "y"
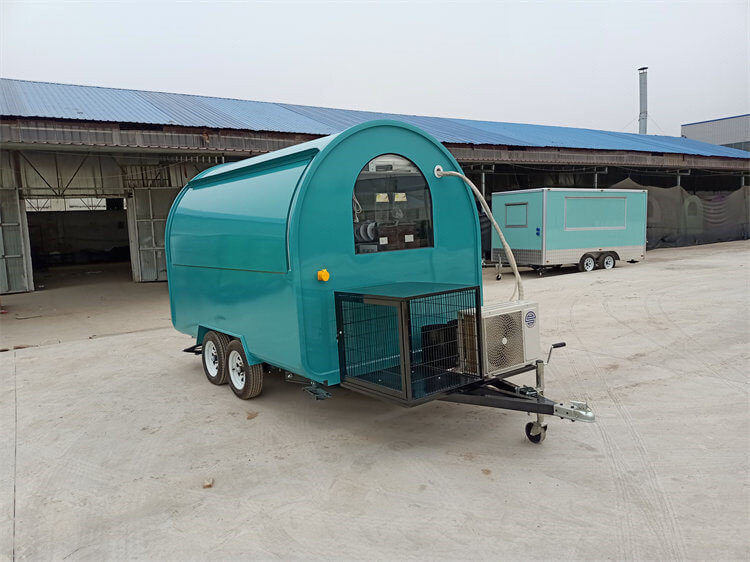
{"x": 504, "y": 340}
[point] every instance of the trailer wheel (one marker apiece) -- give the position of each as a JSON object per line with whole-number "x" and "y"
{"x": 245, "y": 380}
{"x": 606, "y": 261}
{"x": 587, "y": 263}
{"x": 541, "y": 432}
{"x": 214, "y": 357}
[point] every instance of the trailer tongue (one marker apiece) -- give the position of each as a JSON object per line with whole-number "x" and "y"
{"x": 498, "y": 392}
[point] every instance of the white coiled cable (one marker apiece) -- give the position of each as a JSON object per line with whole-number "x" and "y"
{"x": 439, "y": 173}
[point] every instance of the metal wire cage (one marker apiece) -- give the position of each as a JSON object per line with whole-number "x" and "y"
{"x": 400, "y": 342}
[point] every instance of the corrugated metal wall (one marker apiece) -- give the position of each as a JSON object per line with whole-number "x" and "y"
{"x": 733, "y": 131}
{"x": 147, "y": 215}
{"x": 15, "y": 259}
{"x": 13, "y": 275}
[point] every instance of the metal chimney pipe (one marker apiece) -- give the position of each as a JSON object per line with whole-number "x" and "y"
{"x": 643, "y": 115}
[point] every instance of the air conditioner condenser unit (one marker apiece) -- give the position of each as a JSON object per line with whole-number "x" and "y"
{"x": 510, "y": 337}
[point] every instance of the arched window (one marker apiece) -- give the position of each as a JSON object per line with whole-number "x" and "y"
{"x": 391, "y": 206}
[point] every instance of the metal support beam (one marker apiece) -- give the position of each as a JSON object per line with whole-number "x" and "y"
{"x": 471, "y": 154}
{"x": 35, "y": 133}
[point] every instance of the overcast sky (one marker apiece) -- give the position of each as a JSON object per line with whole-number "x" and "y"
{"x": 555, "y": 63}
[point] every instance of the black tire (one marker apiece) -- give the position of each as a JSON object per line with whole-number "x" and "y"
{"x": 246, "y": 381}
{"x": 536, "y": 439}
{"x": 215, "y": 343}
{"x": 585, "y": 265}
{"x": 607, "y": 261}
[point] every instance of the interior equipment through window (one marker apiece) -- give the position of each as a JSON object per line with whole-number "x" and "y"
{"x": 391, "y": 206}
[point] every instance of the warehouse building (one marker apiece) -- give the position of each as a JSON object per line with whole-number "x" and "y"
{"x": 733, "y": 132}
{"x": 88, "y": 174}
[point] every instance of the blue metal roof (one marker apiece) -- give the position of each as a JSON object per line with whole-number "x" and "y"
{"x": 21, "y": 98}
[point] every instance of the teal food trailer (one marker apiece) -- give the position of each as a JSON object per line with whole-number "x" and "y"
{"x": 348, "y": 260}
{"x": 558, "y": 226}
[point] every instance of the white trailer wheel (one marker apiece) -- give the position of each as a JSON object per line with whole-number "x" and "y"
{"x": 608, "y": 261}
{"x": 236, "y": 369}
{"x": 246, "y": 381}
{"x": 587, "y": 263}
{"x": 214, "y": 356}
{"x": 211, "y": 358}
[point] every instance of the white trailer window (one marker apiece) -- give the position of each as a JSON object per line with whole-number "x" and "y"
{"x": 516, "y": 215}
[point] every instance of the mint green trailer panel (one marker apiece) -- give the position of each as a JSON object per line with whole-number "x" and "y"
{"x": 593, "y": 219}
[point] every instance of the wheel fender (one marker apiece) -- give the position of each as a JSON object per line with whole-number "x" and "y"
{"x": 252, "y": 359}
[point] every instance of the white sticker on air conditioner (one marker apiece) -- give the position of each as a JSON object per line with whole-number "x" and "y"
{"x": 530, "y": 318}
{"x": 384, "y": 240}
{"x": 381, "y": 198}
{"x": 408, "y": 238}
{"x": 399, "y": 196}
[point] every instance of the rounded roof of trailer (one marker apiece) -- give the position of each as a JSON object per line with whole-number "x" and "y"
{"x": 242, "y": 215}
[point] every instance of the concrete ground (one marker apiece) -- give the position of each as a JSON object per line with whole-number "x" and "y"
{"x": 107, "y": 438}
{"x": 80, "y": 302}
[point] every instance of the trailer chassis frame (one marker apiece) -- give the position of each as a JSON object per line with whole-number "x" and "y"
{"x": 492, "y": 392}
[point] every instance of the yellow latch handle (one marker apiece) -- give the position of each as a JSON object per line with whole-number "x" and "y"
{"x": 323, "y": 275}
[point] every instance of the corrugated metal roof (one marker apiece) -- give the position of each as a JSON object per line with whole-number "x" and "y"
{"x": 21, "y": 98}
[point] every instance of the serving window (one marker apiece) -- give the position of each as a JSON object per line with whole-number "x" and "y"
{"x": 391, "y": 206}
{"x": 516, "y": 215}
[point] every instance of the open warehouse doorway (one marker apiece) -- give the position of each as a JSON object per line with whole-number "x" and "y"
{"x": 74, "y": 237}
{"x": 64, "y": 209}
